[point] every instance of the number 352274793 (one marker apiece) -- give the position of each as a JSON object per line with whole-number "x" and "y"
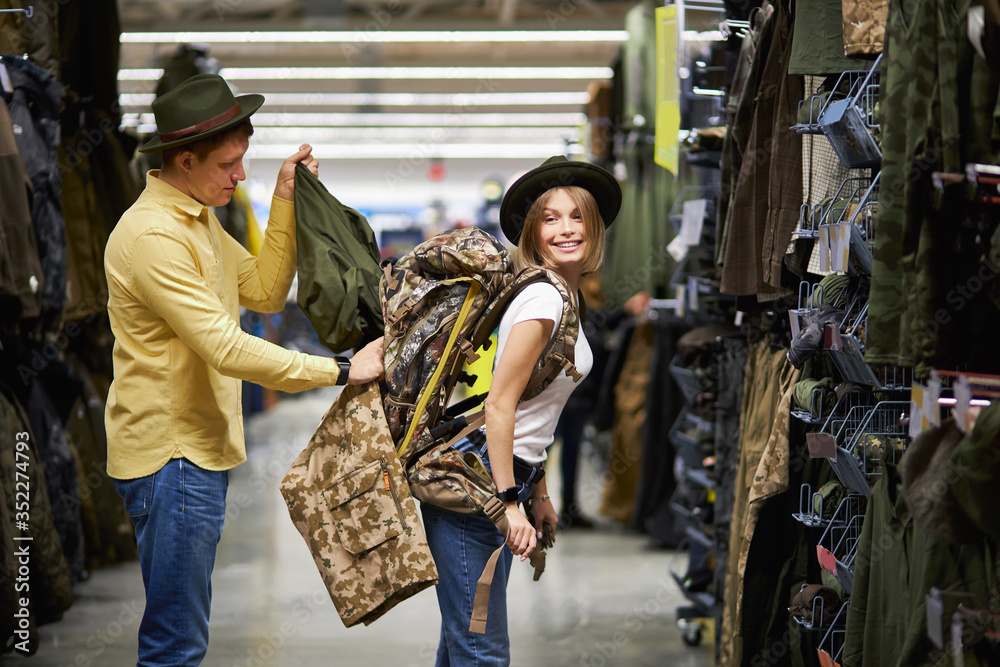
{"x": 22, "y": 486}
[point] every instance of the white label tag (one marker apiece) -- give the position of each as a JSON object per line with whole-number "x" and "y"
{"x": 5, "y": 79}
{"x": 692, "y": 220}
{"x": 916, "y": 409}
{"x": 839, "y": 241}
{"x": 677, "y": 248}
{"x": 823, "y": 244}
{"x": 935, "y": 610}
{"x": 932, "y": 410}
{"x": 692, "y": 289}
{"x": 957, "y": 630}
{"x": 963, "y": 401}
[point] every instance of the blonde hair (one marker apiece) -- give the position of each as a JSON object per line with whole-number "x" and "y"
{"x": 529, "y": 252}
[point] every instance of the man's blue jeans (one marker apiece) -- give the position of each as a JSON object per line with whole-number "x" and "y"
{"x": 461, "y": 545}
{"x": 178, "y": 513}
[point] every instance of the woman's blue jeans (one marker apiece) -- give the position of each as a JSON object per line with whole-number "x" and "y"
{"x": 178, "y": 513}
{"x": 461, "y": 545}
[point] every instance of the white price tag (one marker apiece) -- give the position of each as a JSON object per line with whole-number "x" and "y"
{"x": 916, "y": 409}
{"x": 932, "y": 410}
{"x": 692, "y": 220}
{"x": 5, "y": 79}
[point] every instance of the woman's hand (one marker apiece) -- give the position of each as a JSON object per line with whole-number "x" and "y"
{"x": 545, "y": 516}
{"x": 521, "y": 537}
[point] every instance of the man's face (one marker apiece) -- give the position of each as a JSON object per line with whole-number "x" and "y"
{"x": 213, "y": 180}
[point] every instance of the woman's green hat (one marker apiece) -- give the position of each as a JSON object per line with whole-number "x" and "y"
{"x": 558, "y": 172}
{"x": 198, "y": 108}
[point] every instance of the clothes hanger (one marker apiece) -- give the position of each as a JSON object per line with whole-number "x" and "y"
{"x": 29, "y": 12}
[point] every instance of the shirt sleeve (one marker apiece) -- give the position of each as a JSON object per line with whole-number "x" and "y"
{"x": 264, "y": 280}
{"x": 164, "y": 275}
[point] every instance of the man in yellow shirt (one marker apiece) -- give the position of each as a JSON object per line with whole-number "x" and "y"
{"x": 174, "y": 417}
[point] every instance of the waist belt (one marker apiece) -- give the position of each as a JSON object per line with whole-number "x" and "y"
{"x": 526, "y": 473}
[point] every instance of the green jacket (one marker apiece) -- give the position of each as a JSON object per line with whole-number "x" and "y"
{"x": 896, "y": 566}
{"x": 339, "y": 269}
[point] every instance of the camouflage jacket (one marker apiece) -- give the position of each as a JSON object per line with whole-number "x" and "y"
{"x": 347, "y": 496}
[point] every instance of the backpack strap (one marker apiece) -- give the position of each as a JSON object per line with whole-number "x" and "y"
{"x": 559, "y": 353}
{"x": 496, "y": 511}
{"x": 463, "y": 314}
{"x": 481, "y": 603}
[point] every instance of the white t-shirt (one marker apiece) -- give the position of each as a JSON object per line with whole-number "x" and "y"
{"x": 535, "y": 419}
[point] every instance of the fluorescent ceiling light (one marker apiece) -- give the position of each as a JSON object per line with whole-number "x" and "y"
{"x": 245, "y": 73}
{"x": 444, "y": 120}
{"x": 265, "y": 135}
{"x": 144, "y": 100}
{"x": 418, "y": 119}
{"x": 409, "y": 134}
{"x": 376, "y": 36}
{"x": 976, "y": 402}
{"x": 351, "y": 73}
{"x": 413, "y": 151}
{"x": 707, "y": 36}
{"x": 139, "y": 74}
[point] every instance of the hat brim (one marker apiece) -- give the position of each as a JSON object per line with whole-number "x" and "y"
{"x": 248, "y": 103}
{"x": 522, "y": 194}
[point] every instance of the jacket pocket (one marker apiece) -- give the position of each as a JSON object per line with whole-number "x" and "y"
{"x": 364, "y": 507}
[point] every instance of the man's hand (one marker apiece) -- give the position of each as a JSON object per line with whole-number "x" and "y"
{"x": 366, "y": 365}
{"x": 285, "y": 187}
{"x": 637, "y": 304}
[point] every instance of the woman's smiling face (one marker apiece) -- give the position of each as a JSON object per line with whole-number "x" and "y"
{"x": 563, "y": 233}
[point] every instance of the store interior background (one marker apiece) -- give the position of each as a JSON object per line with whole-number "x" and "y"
{"x": 405, "y": 151}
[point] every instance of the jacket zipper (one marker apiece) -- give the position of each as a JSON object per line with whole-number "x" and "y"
{"x": 392, "y": 491}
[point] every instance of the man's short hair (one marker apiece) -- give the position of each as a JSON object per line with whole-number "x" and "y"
{"x": 203, "y": 147}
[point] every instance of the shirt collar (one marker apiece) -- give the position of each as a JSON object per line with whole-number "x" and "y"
{"x": 172, "y": 195}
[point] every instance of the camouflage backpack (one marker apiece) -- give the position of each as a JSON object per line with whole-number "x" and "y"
{"x": 441, "y": 302}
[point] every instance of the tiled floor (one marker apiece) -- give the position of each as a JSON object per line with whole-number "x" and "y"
{"x": 605, "y": 599}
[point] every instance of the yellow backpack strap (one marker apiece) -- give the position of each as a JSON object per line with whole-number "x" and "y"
{"x": 432, "y": 384}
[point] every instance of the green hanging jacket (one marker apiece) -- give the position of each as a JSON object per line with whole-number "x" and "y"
{"x": 338, "y": 263}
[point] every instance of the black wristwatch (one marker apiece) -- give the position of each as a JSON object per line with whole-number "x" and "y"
{"x": 344, "y": 364}
{"x": 508, "y": 495}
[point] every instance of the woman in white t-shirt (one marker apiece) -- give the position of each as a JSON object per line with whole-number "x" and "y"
{"x": 556, "y": 214}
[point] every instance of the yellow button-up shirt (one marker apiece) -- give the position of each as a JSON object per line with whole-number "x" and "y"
{"x": 176, "y": 281}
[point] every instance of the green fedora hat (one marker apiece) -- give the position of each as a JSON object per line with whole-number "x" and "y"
{"x": 200, "y": 107}
{"x": 557, "y": 172}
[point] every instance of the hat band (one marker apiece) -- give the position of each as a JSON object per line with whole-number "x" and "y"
{"x": 203, "y": 126}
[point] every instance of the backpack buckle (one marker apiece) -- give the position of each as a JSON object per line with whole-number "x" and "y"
{"x": 571, "y": 370}
{"x": 465, "y": 347}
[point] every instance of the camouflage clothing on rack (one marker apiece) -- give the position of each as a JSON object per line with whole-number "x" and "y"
{"x": 864, "y": 26}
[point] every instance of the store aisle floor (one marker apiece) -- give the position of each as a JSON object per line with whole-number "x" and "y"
{"x": 605, "y": 598}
